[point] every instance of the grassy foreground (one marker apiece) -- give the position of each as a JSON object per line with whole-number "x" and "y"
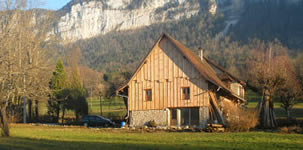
{"x": 43, "y": 138}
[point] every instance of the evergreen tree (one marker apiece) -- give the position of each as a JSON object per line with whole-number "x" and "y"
{"x": 59, "y": 79}
{"x": 57, "y": 84}
{"x": 77, "y": 94}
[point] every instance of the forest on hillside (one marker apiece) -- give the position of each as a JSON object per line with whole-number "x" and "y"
{"x": 268, "y": 21}
{"x": 122, "y": 51}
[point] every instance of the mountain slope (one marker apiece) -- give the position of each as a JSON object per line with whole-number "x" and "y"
{"x": 119, "y": 43}
{"x": 269, "y": 21}
{"x": 124, "y": 50}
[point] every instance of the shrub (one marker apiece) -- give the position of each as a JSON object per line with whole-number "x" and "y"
{"x": 295, "y": 129}
{"x": 239, "y": 119}
{"x": 244, "y": 122}
{"x": 152, "y": 123}
{"x": 284, "y": 130}
{"x": 291, "y": 129}
{"x": 15, "y": 118}
{"x": 282, "y": 122}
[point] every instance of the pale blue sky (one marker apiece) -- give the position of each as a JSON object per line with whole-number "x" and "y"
{"x": 53, "y": 4}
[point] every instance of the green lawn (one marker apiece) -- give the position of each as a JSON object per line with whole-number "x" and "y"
{"x": 111, "y": 108}
{"x": 296, "y": 112}
{"x": 74, "y": 138}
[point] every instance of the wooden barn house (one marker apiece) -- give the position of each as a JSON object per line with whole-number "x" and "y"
{"x": 175, "y": 87}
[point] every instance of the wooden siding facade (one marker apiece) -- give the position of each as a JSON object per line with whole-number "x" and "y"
{"x": 166, "y": 71}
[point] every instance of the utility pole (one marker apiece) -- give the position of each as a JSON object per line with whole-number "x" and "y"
{"x": 25, "y": 101}
{"x": 24, "y": 111}
{"x": 91, "y": 99}
{"x": 100, "y": 103}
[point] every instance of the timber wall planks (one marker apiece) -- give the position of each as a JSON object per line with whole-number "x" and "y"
{"x": 166, "y": 71}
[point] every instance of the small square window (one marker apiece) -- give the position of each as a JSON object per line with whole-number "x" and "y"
{"x": 148, "y": 95}
{"x": 185, "y": 93}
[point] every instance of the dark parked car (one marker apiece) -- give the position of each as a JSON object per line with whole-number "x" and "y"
{"x": 96, "y": 121}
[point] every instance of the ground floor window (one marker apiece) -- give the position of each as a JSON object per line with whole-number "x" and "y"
{"x": 189, "y": 116}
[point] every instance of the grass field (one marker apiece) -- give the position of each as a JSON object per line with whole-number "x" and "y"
{"x": 30, "y": 137}
{"x": 296, "y": 112}
{"x": 111, "y": 108}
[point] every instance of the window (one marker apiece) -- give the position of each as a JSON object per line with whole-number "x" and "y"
{"x": 189, "y": 116}
{"x": 92, "y": 118}
{"x": 241, "y": 91}
{"x": 186, "y": 93}
{"x": 98, "y": 119}
{"x": 148, "y": 95}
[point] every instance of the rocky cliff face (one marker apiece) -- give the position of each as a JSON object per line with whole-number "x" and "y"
{"x": 90, "y": 18}
{"x": 82, "y": 19}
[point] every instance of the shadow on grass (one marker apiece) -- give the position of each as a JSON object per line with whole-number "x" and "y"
{"x": 17, "y": 143}
{"x": 38, "y": 144}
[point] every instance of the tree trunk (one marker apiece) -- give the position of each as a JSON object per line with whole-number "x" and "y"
{"x": 288, "y": 114}
{"x": 24, "y": 110}
{"x": 37, "y": 110}
{"x": 30, "y": 114}
{"x": 267, "y": 116}
{"x": 4, "y": 123}
{"x": 58, "y": 112}
{"x": 63, "y": 114}
{"x": 77, "y": 115}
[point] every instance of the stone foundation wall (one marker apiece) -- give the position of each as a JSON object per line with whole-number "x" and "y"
{"x": 141, "y": 118}
{"x": 204, "y": 116}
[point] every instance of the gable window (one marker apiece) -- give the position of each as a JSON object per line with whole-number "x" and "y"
{"x": 185, "y": 93}
{"x": 148, "y": 95}
{"x": 241, "y": 91}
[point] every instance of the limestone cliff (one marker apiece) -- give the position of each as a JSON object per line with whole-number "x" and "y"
{"x": 82, "y": 19}
{"x": 87, "y": 19}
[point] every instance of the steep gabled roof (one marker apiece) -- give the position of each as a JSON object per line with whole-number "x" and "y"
{"x": 201, "y": 65}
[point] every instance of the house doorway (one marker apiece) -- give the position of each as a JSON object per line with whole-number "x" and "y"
{"x": 173, "y": 119}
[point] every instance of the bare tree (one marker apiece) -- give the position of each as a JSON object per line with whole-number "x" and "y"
{"x": 290, "y": 91}
{"x": 23, "y": 63}
{"x": 270, "y": 72}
